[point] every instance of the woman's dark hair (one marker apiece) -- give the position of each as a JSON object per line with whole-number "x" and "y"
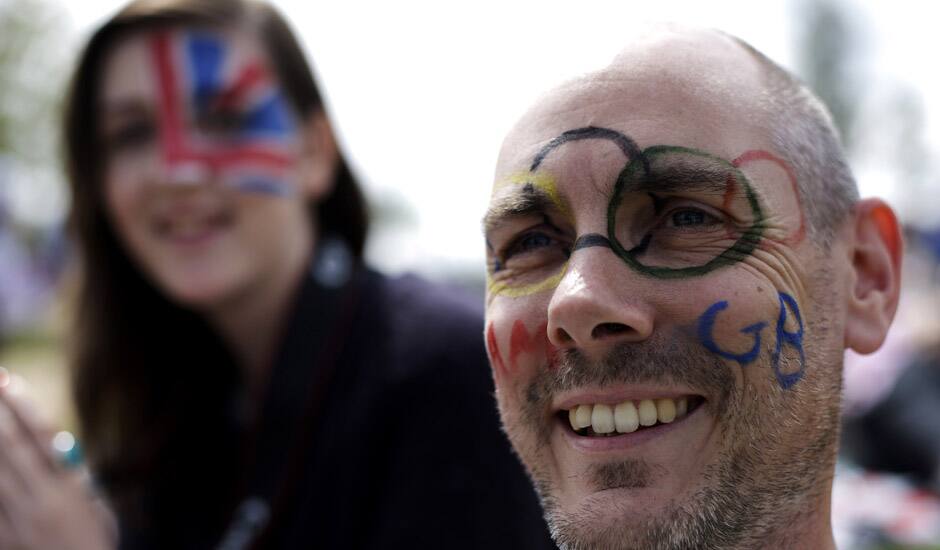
{"x": 153, "y": 384}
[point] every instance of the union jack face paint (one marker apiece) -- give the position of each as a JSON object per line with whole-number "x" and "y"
{"x": 221, "y": 117}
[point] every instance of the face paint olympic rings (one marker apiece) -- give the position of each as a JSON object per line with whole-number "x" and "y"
{"x": 640, "y": 167}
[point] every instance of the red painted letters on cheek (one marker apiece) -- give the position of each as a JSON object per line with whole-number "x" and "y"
{"x": 522, "y": 343}
{"x": 492, "y": 348}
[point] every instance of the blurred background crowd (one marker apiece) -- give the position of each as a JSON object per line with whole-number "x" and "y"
{"x": 423, "y": 92}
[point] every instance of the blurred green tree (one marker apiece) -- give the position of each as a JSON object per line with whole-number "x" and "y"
{"x": 33, "y": 42}
{"x": 828, "y": 58}
{"x": 881, "y": 119}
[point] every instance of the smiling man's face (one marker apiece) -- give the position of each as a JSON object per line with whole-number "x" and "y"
{"x": 665, "y": 335}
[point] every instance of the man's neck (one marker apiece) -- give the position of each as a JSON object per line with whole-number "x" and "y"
{"x": 810, "y": 528}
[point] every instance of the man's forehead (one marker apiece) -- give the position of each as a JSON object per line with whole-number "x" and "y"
{"x": 670, "y": 83}
{"x": 682, "y": 53}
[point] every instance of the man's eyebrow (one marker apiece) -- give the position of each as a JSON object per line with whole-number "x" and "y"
{"x": 522, "y": 201}
{"x": 671, "y": 177}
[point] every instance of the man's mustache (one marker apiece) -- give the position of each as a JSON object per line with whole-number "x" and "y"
{"x": 676, "y": 360}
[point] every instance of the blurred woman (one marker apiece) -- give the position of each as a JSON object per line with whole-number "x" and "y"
{"x": 241, "y": 379}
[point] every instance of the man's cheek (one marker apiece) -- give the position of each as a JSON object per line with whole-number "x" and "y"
{"x": 517, "y": 350}
{"x": 744, "y": 337}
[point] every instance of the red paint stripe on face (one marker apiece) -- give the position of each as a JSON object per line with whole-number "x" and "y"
{"x": 171, "y": 131}
{"x": 253, "y": 156}
{"x": 758, "y": 154}
{"x": 251, "y": 76}
{"x": 493, "y": 349}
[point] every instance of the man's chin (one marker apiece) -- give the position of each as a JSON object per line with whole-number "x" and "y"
{"x": 611, "y": 518}
{"x": 621, "y": 489}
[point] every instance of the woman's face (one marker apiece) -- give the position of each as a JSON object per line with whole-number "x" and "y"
{"x": 209, "y": 171}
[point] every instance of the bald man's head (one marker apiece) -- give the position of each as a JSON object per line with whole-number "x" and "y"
{"x": 677, "y": 259}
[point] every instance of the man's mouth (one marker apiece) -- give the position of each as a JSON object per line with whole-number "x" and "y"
{"x": 607, "y": 420}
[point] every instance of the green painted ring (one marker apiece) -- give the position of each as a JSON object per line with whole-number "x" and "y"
{"x": 741, "y": 248}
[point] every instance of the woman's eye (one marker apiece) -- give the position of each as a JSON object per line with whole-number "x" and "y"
{"x": 224, "y": 121}
{"x": 131, "y": 135}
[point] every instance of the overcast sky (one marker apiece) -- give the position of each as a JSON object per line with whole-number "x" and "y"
{"x": 422, "y": 92}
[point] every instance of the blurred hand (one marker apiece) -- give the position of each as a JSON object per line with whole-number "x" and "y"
{"x": 42, "y": 505}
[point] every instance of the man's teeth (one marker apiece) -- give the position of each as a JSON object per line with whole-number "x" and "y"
{"x": 582, "y": 416}
{"x": 682, "y": 407}
{"x": 647, "y": 411}
{"x": 628, "y": 416}
{"x": 602, "y": 419}
{"x": 665, "y": 410}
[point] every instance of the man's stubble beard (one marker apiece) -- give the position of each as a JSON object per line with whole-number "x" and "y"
{"x": 764, "y": 478}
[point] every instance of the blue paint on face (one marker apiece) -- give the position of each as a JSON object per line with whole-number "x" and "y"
{"x": 706, "y": 325}
{"x": 793, "y": 339}
{"x": 263, "y": 185}
{"x": 206, "y": 54}
{"x": 270, "y": 118}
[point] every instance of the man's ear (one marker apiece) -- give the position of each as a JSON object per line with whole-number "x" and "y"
{"x": 319, "y": 156}
{"x": 876, "y": 275}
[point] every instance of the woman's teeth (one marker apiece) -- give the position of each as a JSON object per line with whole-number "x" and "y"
{"x": 625, "y": 417}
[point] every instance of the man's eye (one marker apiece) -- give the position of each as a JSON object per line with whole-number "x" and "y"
{"x": 527, "y": 243}
{"x": 533, "y": 241}
{"x": 691, "y": 217}
{"x": 531, "y": 252}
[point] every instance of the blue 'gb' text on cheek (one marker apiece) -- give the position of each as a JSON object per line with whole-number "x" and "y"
{"x": 788, "y": 306}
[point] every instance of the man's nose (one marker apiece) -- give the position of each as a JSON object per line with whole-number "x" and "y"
{"x": 598, "y": 303}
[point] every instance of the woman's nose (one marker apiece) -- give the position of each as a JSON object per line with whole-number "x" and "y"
{"x": 186, "y": 172}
